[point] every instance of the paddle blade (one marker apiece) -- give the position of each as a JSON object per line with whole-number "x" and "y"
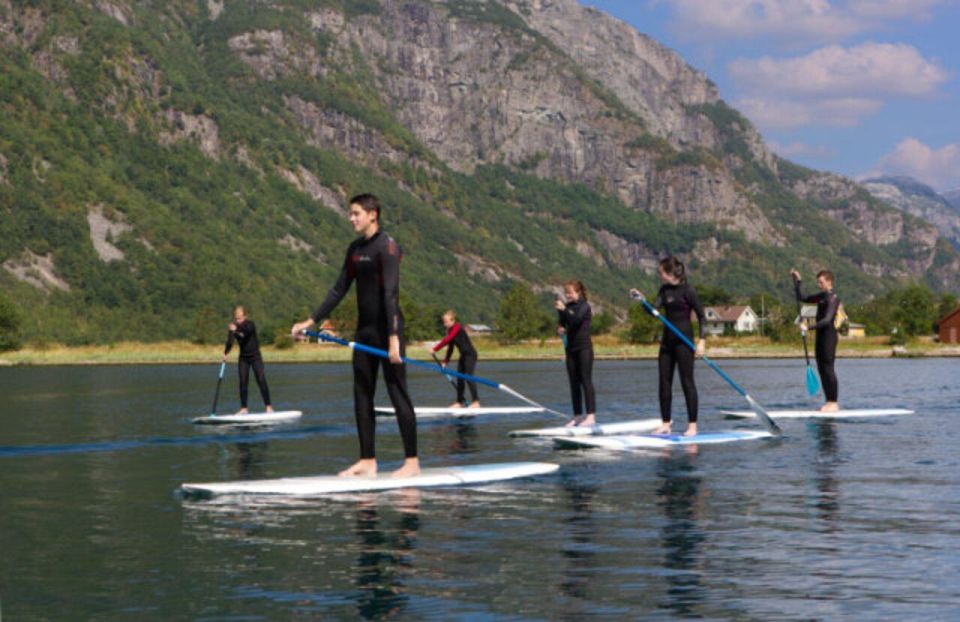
{"x": 813, "y": 383}
{"x": 764, "y": 418}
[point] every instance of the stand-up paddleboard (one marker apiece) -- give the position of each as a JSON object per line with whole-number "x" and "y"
{"x": 329, "y": 484}
{"x": 655, "y": 441}
{"x": 439, "y": 412}
{"x": 280, "y": 416}
{"x": 816, "y": 414}
{"x": 600, "y": 429}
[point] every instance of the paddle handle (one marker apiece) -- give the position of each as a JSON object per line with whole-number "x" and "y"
{"x": 216, "y": 393}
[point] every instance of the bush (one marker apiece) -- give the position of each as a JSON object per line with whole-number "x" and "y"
{"x": 520, "y": 316}
{"x": 644, "y": 328}
{"x": 602, "y": 323}
{"x": 9, "y": 326}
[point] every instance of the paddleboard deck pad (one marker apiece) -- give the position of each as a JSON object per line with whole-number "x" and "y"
{"x": 627, "y": 442}
{"x": 442, "y": 412}
{"x": 816, "y": 414}
{"x": 330, "y": 484}
{"x": 600, "y": 429}
{"x": 280, "y": 416}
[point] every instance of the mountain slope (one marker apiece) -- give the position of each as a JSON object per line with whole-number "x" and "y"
{"x": 920, "y": 200}
{"x": 161, "y": 161}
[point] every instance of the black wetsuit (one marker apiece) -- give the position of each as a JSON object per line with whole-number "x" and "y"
{"x": 575, "y": 319}
{"x": 375, "y": 265}
{"x": 458, "y": 338}
{"x": 827, "y": 338}
{"x": 677, "y": 302}
{"x": 246, "y": 336}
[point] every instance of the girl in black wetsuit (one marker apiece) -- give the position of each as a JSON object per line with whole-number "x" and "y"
{"x": 458, "y": 338}
{"x": 574, "y": 316}
{"x": 826, "y": 341}
{"x": 373, "y": 261}
{"x": 244, "y": 332}
{"x": 677, "y": 299}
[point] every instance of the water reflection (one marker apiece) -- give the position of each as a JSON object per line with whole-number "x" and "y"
{"x": 680, "y": 500}
{"x": 247, "y": 460}
{"x": 579, "y": 551}
{"x": 386, "y": 555}
{"x": 827, "y": 502}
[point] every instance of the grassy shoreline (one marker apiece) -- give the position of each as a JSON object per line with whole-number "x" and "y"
{"x": 605, "y": 346}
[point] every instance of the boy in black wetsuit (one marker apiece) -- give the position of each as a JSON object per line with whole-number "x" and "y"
{"x": 458, "y": 338}
{"x": 826, "y": 341}
{"x": 373, "y": 261}
{"x": 573, "y": 318}
{"x": 244, "y": 332}
{"x": 677, "y": 299}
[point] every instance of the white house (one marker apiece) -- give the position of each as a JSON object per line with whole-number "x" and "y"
{"x": 740, "y": 319}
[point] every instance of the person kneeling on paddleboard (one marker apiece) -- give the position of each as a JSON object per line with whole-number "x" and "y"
{"x": 373, "y": 261}
{"x": 828, "y": 305}
{"x": 574, "y": 317}
{"x": 244, "y": 332}
{"x": 678, "y": 299}
{"x": 458, "y": 338}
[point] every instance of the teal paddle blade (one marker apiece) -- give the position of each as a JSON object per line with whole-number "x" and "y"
{"x": 813, "y": 383}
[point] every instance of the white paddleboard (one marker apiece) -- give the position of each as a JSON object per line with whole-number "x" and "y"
{"x": 444, "y": 411}
{"x": 816, "y": 414}
{"x": 280, "y": 416}
{"x": 653, "y": 441}
{"x": 600, "y": 429}
{"x": 327, "y": 484}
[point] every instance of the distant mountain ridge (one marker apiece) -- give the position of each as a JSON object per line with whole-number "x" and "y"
{"x": 920, "y": 200}
{"x": 160, "y": 161}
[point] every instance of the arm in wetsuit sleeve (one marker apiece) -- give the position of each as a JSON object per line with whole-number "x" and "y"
{"x": 229, "y": 344}
{"x": 833, "y": 303}
{"x": 390, "y": 267}
{"x": 694, "y": 301}
{"x": 448, "y": 341}
{"x": 575, "y": 316}
{"x": 657, "y": 302}
{"x": 337, "y": 292}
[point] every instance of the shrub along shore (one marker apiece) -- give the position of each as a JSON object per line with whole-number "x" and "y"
{"x": 605, "y": 346}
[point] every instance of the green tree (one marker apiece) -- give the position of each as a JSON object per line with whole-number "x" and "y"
{"x": 643, "y": 327}
{"x": 520, "y": 316}
{"x": 915, "y": 310}
{"x": 9, "y": 325}
{"x": 711, "y": 295}
{"x": 602, "y": 323}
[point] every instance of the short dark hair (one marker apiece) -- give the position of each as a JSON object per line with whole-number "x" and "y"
{"x": 369, "y": 202}
{"x": 825, "y": 274}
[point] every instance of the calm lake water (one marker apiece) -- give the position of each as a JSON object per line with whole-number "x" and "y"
{"x": 838, "y": 520}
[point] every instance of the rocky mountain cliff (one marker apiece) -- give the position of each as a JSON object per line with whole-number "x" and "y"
{"x": 158, "y": 159}
{"x": 920, "y": 200}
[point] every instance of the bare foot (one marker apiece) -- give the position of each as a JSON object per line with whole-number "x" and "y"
{"x": 691, "y": 430}
{"x": 830, "y": 407}
{"x": 243, "y": 411}
{"x": 361, "y": 468}
{"x": 456, "y": 405}
{"x": 588, "y": 421}
{"x": 574, "y": 422}
{"x": 663, "y": 429}
{"x": 474, "y": 404}
{"x": 269, "y": 409}
{"x": 410, "y": 468}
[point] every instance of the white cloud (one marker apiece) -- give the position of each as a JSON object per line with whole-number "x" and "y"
{"x": 790, "y": 22}
{"x": 939, "y": 168}
{"x": 832, "y": 86}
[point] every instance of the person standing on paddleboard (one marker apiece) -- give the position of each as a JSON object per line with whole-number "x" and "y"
{"x": 458, "y": 338}
{"x": 574, "y": 315}
{"x": 244, "y": 332}
{"x": 828, "y": 304}
{"x": 677, "y": 299}
{"x": 373, "y": 261}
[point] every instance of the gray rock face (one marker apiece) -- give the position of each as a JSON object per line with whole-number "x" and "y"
{"x": 910, "y": 196}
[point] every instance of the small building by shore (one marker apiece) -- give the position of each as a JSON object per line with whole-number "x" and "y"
{"x": 949, "y": 327}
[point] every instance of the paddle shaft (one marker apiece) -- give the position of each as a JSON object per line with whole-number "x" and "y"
{"x": 449, "y": 378}
{"x": 431, "y": 366}
{"x": 761, "y": 413}
{"x": 806, "y": 351}
{"x": 216, "y": 394}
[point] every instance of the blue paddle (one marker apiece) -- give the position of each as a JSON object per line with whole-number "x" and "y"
{"x": 813, "y": 383}
{"x": 216, "y": 394}
{"x": 432, "y": 367}
{"x": 768, "y": 423}
{"x": 449, "y": 378}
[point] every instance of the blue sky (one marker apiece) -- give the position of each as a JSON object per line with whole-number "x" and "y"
{"x": 859, "y": 87}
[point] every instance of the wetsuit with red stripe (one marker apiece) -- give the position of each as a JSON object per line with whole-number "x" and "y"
{"x": 458, "y": 338}
{"x": 374, "y": 264}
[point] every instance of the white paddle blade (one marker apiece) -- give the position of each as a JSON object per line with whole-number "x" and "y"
{"x": 764, "y": 418}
